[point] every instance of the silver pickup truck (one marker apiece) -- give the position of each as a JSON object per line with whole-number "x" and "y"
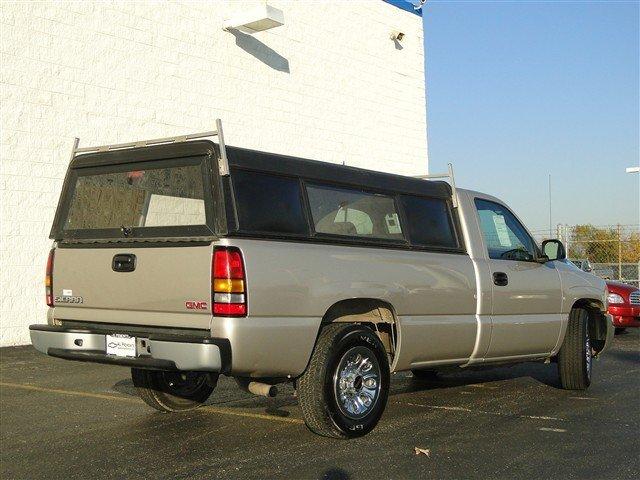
{"x": 186, "y": 259}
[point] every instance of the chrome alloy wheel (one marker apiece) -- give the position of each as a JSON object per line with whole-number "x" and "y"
{"x": 183, "y": 383}
{"x": 588, "y": 353}
{"x": 356, "y": 382}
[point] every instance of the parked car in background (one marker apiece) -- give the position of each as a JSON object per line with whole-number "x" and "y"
{"x": 624, "y": 305}
{"x": 582, "y": 263}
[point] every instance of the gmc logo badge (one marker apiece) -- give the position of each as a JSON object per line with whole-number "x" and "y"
{"x": 196, "y": 305}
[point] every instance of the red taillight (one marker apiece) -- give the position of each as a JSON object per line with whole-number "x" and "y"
{"x": 48, "y": 279}
{"x": 230, "y": 309}
{"x": 227, "y": 264}
{"x": 228, "y": 283}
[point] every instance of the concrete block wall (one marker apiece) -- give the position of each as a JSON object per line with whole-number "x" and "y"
{"x": 329, "y": 84}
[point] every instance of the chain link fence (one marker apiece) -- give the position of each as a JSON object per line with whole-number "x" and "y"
{"x": 611, "y": 251}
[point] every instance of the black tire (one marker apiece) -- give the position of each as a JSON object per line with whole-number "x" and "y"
{"x": 575, "y": 356}
{"x": 620, "y": 330}
{"x": 168, "y": 391}
{"x": 332, "y": 376}
{"x": 426, "y": 375}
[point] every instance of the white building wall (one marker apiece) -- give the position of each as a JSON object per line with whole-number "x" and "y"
{"x": 330, "y": 84}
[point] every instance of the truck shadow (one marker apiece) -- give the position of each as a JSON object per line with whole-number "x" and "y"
{"x": 632, "y": 357}
{"x": 228, "y": 395}
{"x": 541, "y": 373}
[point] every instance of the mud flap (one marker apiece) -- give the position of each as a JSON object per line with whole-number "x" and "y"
{"x": 602, "y": 332}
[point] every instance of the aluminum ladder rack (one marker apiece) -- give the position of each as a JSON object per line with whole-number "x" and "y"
{"x": 223, "y": 163}
{"x": 449, "y": 176}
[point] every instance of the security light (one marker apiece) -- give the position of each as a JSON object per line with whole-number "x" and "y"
{"x": 257, "y": 19}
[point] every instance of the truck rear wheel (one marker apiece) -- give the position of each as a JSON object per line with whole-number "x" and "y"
{"x": 576, "y": 357}
{"x": 169, "y": 391}
{"x": 344, "y": 390}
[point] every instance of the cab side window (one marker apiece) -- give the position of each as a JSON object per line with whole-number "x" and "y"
{"x": 504, "y": 235}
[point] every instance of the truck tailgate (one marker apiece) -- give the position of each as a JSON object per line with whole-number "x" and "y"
{"x": 169, "y": 286}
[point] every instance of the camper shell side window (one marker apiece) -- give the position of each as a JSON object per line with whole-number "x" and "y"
{"x": 272, "y": 204}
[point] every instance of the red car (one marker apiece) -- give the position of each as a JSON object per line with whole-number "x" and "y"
{"x": 624, "y": 305}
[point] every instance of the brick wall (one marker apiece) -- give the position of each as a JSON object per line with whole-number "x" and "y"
{"x": 329, "y": 84}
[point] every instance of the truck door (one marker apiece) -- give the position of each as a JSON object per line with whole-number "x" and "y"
{"x": 527, "y": 298}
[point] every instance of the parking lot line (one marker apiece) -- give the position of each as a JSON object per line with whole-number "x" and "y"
{"x": 68, "y": 392}
{"x": 484, "y": 412}
{"x": 208, "y": 408}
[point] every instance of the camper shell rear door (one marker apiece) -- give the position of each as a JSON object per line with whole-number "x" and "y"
{"x": 134, "y": 229}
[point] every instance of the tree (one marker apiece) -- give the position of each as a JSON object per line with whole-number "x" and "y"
{"x": 604, "y": 245}
{"x": 631, "y": 248}
{"x": 599, "y": 245}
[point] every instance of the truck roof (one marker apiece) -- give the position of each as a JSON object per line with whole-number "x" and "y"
{"x": 274, "y": 163}
{"x": 334, "y": 173}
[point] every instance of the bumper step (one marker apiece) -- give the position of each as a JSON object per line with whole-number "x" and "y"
{"x": 166, "y": 351}
{"x": 97, "y": 356}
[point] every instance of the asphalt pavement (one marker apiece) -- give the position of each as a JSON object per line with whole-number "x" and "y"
{"x": 61, "y": 419}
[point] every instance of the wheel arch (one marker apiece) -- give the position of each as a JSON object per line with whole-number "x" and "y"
{"x": 377, "y": 314}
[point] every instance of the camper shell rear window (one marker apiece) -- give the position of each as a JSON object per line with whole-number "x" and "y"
{"x": 128, "y": 196}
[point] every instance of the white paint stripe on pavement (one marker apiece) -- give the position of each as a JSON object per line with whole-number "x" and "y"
{"x": 484, "y": 412}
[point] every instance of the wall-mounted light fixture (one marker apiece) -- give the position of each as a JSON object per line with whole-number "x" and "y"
{"x": 256, "y": 19}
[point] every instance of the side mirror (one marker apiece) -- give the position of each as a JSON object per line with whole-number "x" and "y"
{"x": 554, "y": 250}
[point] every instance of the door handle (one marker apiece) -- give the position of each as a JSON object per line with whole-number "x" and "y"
{"x": 500, "y": 279}
{"x": 124, "y": 262}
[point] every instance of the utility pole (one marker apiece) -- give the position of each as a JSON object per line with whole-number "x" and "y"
{"x": 628, "y": 170}
{"x": 619, "y": 253}
{"x": 550, "y": 224}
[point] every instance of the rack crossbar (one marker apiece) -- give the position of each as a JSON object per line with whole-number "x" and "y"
{"x": 223, "y": 163}
{"x": 145, "y": 143}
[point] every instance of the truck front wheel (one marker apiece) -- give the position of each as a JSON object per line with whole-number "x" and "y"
{"x": 173, "y": 391}
{"x": 575, "y": 357}
{"x": 344, "y": 390}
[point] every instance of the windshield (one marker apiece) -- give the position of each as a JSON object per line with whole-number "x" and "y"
{"x": 149, "y": 198}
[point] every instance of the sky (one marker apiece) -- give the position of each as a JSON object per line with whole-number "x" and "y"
{"x": 518, "y": 90}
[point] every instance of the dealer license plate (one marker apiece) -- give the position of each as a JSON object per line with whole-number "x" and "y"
{"x": 121, "y": 345}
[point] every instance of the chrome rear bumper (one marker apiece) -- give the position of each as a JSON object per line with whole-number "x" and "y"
{"x": 155, "y": 351}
